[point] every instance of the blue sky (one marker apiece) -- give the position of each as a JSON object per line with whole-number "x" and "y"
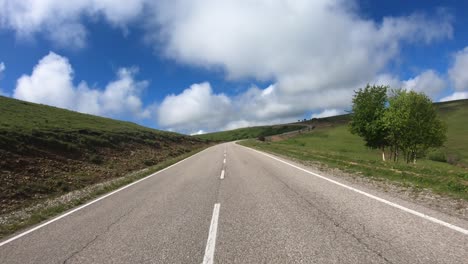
{"x": 199, "y": 66}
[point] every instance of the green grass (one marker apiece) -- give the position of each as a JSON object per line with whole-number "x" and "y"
{"x": 22, "y": 122}
{"x": 249, "y": 132}
{"x": 455, "y": 114}
{"x": 47, "y": 151}
{"x": 336, "y": 147}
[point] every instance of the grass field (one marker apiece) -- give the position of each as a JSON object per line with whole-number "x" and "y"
{"x": 455, "y": 114}
{"x": 47, "y": 151}
{"x": 336, "y": 147}
{"x": 250, "y": 132}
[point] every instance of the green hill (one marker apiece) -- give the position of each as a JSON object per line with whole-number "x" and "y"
{"x": 47, "y": 151}
{"x": 444, "y": 170}
{"x": 250, "y": 132}
{"x": 455, "y": 114}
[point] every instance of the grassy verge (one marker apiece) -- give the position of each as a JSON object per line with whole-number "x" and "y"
{"x": 337, "y": 148}
{"x": 12, "y": 223}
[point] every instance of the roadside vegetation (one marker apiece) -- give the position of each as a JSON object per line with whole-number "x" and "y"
{"x": 46, "y": 152}
{"x": 406, "y": 124}
{"x": 443, "y": 170}
{"x": 250, "y": 132}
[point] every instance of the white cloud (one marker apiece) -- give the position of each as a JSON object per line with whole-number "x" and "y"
{"x": 316, "y": 45}
{"x": 61, "y": 21}
{"x": 196, "y": 107}
{"x": 2, "y": 69}
{"x": 458, "y": 71}
{"x": 315, "y": 53}
{"x": 458, "y": 76}
{"x": 428, "y": 82}
{"x": 455, "y": 96}
{"x": 327, "y": 113}
{"x": 199, "y": 132}
{"x": 51, "y": 83}
{"x": 386, "y": 79}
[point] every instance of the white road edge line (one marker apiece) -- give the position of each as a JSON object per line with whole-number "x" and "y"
{"x": 92, "y": 202}
{"x": 211, "y": 242}
{"x": 416, "y": 213}
{"x": 222, "y": 175}
{"x": 224, "y": 161}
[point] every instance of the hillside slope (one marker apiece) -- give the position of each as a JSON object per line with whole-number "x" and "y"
{"x": 47, "y": 151}
{"x": 250, "y": 132}
{"x": 455, "y": 114}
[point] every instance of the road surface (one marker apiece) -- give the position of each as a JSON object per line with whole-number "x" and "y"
{"x": 243, "y": 207}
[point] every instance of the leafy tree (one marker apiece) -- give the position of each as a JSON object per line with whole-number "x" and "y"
{"x": 369, "y": 106}
{"x": 412, "y": 125}
{"x": 394, "y": 122}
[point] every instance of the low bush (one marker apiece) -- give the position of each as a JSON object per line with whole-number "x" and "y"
{"x": 437, "y": 155}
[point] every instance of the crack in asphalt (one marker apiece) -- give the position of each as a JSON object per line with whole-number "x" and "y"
{"x": 336, "y": 224}
{"x": 89, "y": 243}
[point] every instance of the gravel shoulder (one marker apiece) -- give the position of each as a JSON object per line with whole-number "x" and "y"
{"x": 424, "y": 197}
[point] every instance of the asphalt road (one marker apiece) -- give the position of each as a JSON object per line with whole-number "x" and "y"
{"x": 259, "y": 210}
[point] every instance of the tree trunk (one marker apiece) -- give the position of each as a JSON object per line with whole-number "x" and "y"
{"x": 383, "y": 153}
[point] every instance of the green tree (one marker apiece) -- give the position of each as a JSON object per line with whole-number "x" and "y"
{"x": 369, "y": 106}
{"x": 412, "y": 125}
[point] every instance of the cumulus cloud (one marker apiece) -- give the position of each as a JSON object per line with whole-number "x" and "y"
{"x": 196, "y": 107}
{"x": 2, "y": 69}
{"x": 61, "y": 21}
{"x": 458, "y": 76}
{"x": 51, "y": 83}
{"x": 315, "y": 45}
{"x": 327, "y": 113}
{"x": 199, "y": 132}
{"x": 429, "y": 82}
{"x": 458, "y": 71}
{"x": 455, "y": 96}
{"x": 315, "y": 53}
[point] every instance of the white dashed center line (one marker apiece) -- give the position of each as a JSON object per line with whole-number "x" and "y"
{"x": 211, "y": 243}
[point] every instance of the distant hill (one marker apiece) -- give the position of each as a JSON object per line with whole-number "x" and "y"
{"x": 454, "y": 113}
{"x": 250, "y": 132}
{"x": 47, "y": 151}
